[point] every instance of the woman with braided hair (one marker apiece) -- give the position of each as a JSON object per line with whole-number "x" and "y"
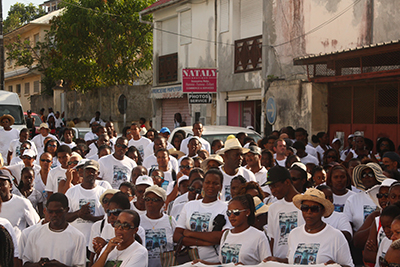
{"x": 6, "y": 248}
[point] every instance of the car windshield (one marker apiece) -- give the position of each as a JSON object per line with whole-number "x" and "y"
{"x": 211, "y": 138}
{"x": 14, "y": 111}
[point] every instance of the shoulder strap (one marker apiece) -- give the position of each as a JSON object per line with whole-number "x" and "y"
{"x": 173, "y": 174}
{"x": 170, "y": 220}
{"x": 225, "y": 234}
{"x": 102, "y": 225}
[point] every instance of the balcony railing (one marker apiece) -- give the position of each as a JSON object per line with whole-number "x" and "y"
{"x": 248, "y": 54}
{"x": 168, "y": 68}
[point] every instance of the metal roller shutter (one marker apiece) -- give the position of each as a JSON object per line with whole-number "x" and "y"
{"x": 172, "y": 106}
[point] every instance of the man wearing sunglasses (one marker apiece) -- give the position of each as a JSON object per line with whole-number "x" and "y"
{"x": 117, "y": 168}
{"x": 61, "y": 243}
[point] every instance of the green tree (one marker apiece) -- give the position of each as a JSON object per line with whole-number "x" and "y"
{"x": 20, "y": 14}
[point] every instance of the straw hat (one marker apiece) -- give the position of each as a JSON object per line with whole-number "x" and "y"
{"x": 178, "y": 153}
{"x": 260, "y": 206}
{"x": 379, "y": 176}
{"x": 231, "y": 144}
{"x": 44, "y": 125}
{"x": 9, "y": 117}
{"x": 315, "y": 195}
{"x": 214, "y": 157}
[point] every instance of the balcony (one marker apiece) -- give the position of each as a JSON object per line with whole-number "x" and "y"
{"x": 248, "y": 54}
{"x": 168, "y": 68}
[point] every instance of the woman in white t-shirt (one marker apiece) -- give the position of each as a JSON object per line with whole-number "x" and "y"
{"x": 201, "y": 222}
{"x": 27, "y": 190}
{"x": 316, "y": 242}
{"x": 339, "y": 181}
{"x": 123, "y": 250}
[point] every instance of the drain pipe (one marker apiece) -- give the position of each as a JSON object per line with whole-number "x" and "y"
{"x": 144, "y": 21}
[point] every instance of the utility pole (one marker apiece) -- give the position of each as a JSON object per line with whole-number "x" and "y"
{"x": 1, "y": 48}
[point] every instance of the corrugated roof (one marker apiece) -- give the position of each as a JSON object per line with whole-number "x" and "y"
{"x": 347, "y": 50}
{"x": 158, "y": 5}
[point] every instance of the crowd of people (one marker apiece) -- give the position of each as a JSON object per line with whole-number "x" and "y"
{"x": 139, "y": 200}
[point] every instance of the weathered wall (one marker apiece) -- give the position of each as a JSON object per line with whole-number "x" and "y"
{"x": 386, "y": 20}
{"x": 41, "y": 101}
{"x": 105, "y": 100}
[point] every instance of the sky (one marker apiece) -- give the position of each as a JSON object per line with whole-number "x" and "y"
{"x": 8, "y": 3}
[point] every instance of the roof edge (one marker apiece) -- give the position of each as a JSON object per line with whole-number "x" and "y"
{"x": 150, "y": 9}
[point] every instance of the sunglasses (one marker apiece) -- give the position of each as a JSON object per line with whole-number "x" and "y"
{"x": 105, "y": 200}
{"x": 187, "y": 167}
{"x": 114, "y": 212}
{"x": 51, "y": 145}
{"x": 147, "y": 199}
{"x": 379, "y": 195}
{"x": 235, "y": 212}
{"x": 192, "y": 189}
{"x": 384, "y": 263}
{"x": 73, "y": 162}
{"x": 26, "y": 157}
{"x": 370, "y": 174}
{"x": 314, "y": 208}
{"x": 157, "y": 177}
{"x": 121, "y": 145}
{"x": 125, "y": 226}
{"x": 45, "y": 160}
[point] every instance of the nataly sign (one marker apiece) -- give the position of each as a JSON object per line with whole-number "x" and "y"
{"x": 199, "y": 80}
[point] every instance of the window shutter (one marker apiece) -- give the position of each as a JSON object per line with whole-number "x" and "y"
{"x": 186, "y": 27}
{"x": 169, "y": 42}
{"x": 224, "y": 15}
{"x": 250, "y": 18}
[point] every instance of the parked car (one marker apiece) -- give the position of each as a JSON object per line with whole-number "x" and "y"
{"x": 212, "y": 132}
{"x": 11, "y": 105}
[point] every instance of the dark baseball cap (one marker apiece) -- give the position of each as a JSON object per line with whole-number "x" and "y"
{"x": 91, "y": 164}
{"x": 277, "y": 174}
{"x": 392, "y": 156}
{"x": 255, "y": 150}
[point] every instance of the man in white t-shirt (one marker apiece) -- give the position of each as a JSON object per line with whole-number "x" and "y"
{"x": 233, "y": 156}
{"x": 97, "y": 119}
{"x": 84, "y": 200}
{"x": 111, "y": 133}
{"x": 283, "y": 216}
{"x": 56, "y": 243}
{"x": 117, "y": 168}
{"x": 303, "y": 155}
{"x": 57, "y": 174}
{"x": 7, "y": 134}
{"x": 38, "y": 140}
{"x": 15, "y": 145}
{"x": 197, "y": 131}
{"x": 151, "y": 161}
{"x": 94, "y": 147}
{"x": 280, "y": 152}
{"x": 253, "y": 160}
{"x": 138, "y": 141}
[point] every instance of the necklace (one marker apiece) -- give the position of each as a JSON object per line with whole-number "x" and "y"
{"x": 154, "y": 225}
{"x": 316, "y": 228}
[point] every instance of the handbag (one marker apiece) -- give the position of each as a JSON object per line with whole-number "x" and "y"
{"x": 179, "y": 255}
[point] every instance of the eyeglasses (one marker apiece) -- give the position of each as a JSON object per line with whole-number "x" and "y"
{"x": 235, "y": 212}
{"x": 187, "y": 167}
{"x": 121, "y": 145}
{"x": 306, "y": 208}
{"x": 59, "y": 211}
{"x": 105, "y": 200}
{"x": 45, "y": 160}
{"x": 114, "y": 212}
{"x": 73, "y": 162}
{"x": 147, "y": 199}
{"x": 369, "y": 174}
{"x": 379, "y": 195}
{"x": 192, "y": 189}
{"x": 157, "y": 177}
{"x": 125, "y": 226}
{"x": 51, "y": 145}
{"x": 26, "y": 157}
{"x": 384, "y": 263}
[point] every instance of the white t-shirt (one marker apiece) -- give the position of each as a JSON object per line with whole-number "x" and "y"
{"x": 54, "y": 177}
{"x": 283, "y": 217}
{"x": 261, "y": 176}
{"x": 205, "y": 145}
{"x": 93, "y": 150}
{"x": 383, "y": 248}
{"x": 40, "y": 186}
{"x": 116, "y": 171}
{"x": 328, "y": 244}
{"x": 89, "y": 136}
{"x": 309, "y": 159}
{"x": 15, "y": 147}
{"x": 149, "y": 150}
{"x": 321, "y": 151}
{"x": 17, "y": 168}
{"x": 68, "y": 246}
{"x": 79, "y": 196}
{"x": 249, "y": 247}
{"x": 4, "y": 222}
{"x": 357, "y": 209}
{"x": 339, "y": 221}
{"x": 71, "y": 145}
{"x": 103, "y": 183}
{"x": 140, "y": 212}
{"x": 133, "y": 256}
{"x": 35, "y": 197}
{"x": 20, "y": 212}
{"x": 281, "y": 162}
{"x": 140, "y": 144}
{"x": 151, "y": 161}
{"x": 340, "y": 201}
{"x": 5, "y": 139}
{"x": 15, "y": 161}
{"x": 158, "y": 236}
{"x": 39, "y": 142}
{"x": 24, "y": 236}
{"x": 311, "y": 150}
{"x": 380, "y": 233}
{"x": 199, "y": 217}
{"x": 226, "y": 186}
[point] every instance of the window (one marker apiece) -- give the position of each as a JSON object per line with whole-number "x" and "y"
{"x": 186, "y": 27}
{"x": 250, "y": 18}
{"x": 224, "y": 15}
{"x": 27, "y": 91}
{"x": 36, "y": 87}
{"x": 10, "y": 88}
{"x": 18, "y": 89}
{"x": 169, "y": 41}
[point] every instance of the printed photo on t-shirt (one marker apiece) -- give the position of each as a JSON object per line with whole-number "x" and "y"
{"x": 230, "y": 253}
{"x": 228, "y": 193}
{"x": 120, "y": 175}
{"x": 116, "y": 263}
{"x": 339, "y": 207}
{"x": 92, "y": 207}
{"x": 287, "y": 222}
{"x": 18, "y": 151}
{"x": 140, "y": 148}
{"x": 164, "y": 185}
{"x": 381, "y": 236}
{"x": 199, "y": 222}
{"x": 368, "y": 210}
{"x": 306, "y": 253}
{"x": 156, "y": 242}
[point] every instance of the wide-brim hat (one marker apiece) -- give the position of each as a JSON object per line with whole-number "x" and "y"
{"x": 260, "y": 207}
{"x": 315, "y": 195}
{"x": 44, "y": 125}
{"x": 9, "y": 117}
{"x": 214, "y": 157}
{"x": 231, "y": 144}
{"x": 379, "y": 176}
{"x": 178, "y": 153}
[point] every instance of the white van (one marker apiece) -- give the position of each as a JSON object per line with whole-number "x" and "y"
{"x": 10, "y": 104}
